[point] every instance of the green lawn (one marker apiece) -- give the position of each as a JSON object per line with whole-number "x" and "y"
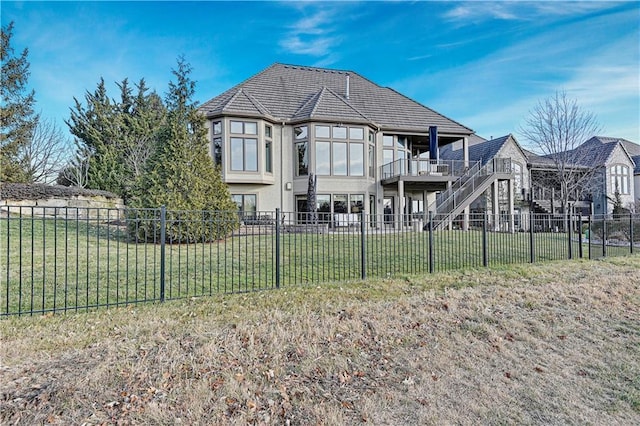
{"x": 54, "y": 264}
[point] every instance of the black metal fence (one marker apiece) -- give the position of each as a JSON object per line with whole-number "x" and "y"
{"x": 71, "y": 259}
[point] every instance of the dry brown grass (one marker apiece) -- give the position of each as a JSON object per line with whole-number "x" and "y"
{"x": 555, "y": 343}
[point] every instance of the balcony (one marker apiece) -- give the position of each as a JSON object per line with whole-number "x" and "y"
{"x": 419, "y": 170}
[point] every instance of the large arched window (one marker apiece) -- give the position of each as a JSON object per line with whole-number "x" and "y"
{"x": 620, "y": 175}
{"x": 517, "y": 179}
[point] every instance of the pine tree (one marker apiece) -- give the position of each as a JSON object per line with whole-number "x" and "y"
{"x": 17, "y": 117}
{"x": 182, "y": 176}
{"x": 116, "y": 137}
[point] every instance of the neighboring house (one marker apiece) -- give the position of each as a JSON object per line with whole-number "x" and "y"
{"x": 613, "y": 166}
{"x": 619, "y": 161}
{"x": 371, "y": 148}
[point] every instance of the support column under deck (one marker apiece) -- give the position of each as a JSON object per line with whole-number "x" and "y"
{"x": 400, "y": 204}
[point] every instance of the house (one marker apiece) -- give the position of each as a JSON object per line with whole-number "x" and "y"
{"x": 619, "y": 162}
{"x": 371, "y": 148}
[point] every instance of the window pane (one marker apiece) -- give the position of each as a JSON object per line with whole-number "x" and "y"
{"x": 251, "y": 155}
{"x": 387, "y": 156}
{"x": 324, "y": 203}
{"x": 323, "y": 132}
{"x": 340, "y": 132}
{"x": 302, "y": 168}
{"x": 372, "y": 162}
{"x": 356, "y": 159}
{"x": 387, "y": 140}
{"x": 402, "y": 142}
{"x": 217, "y": 151}
{"x": 324, "y": 208}
{"x": 238, "y": 200}
{"x": 267, "y": 131}
{"x": 217, "y": 127}
{"x": 268, "y": 157}
{"x": 340, "y": 158}
{"x": 356, "y": 133}
{"x": 250, "y": 128}
{"x": 237, "y": 154}
{"x": 340, "y": 204}
{"x": 323, "y": 158}
{"x": 300, "y": 132}
{"x": 357, "y": 203}
{"x": 249, "y": 203}
{"x": 236, "y": 127}
{"x": 370, "y": 136}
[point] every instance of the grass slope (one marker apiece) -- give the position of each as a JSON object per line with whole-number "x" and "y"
{"x": 554, "y": 343}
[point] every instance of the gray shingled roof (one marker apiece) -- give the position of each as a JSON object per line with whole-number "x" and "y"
{"x": 296, "y": 93}
{"x": 598, "y": 149}
{"x": 480, "y": 151}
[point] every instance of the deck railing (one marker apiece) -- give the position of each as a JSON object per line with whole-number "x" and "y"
{"x": 423, "y": 167}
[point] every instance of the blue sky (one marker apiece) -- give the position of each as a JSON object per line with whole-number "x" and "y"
{"x": 483, "y": 64}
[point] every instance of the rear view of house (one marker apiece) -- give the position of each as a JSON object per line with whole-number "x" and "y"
{"x": 371, "y": 148}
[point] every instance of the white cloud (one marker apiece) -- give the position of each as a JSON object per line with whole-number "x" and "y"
{"x": 475, "y": 11}
{"x": 311, "y": 35}
{"x": 493, "y": 95}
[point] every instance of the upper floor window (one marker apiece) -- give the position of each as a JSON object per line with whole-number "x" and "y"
{"x": 356, "y": 133}
{"x": 300, "y": 132}
{"x": 217, "y": 127}
{"x": 517, "y": 179}
{"x": 268, "y": 149}
{"x": 323, "y": 132}
{"x": 244, "y": 154}
{"x": 302, "y": 158}
{"x": 217, "y": 151}
{"x": 339, "y": 132}
{"x": 244, "y": 128}
{"x": 620, "y": 179}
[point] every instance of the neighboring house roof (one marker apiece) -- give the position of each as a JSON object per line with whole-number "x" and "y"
{"x": 597, "y": 151}
{"x": 592, "y": 153}
{"x": 295, "y": 93}
{"x": 482, "y": 151}
{"x": 538, "y": 161}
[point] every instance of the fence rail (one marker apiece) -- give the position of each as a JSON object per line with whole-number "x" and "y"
{"x": 72, "y": 259}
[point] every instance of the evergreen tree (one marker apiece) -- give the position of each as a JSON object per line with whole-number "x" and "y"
{"x": 116, "y": 137}
{"x": 182, "y": 176}
{"x": 17, "y": 117}
{"x": 618, "y": 208}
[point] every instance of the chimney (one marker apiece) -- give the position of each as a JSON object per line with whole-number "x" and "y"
{"x": 347, "y": 91}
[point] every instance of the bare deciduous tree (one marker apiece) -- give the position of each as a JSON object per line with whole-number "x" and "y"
{"x": 46, "y": 153}
{"x": 556, "y": 127}
{"x": 137, "y": 154}
{"x": 76, "y": 172}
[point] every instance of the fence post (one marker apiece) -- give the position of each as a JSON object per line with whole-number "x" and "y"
{"x": 579, "y": 222}
{"x": 631, "y": 233}
{"x": 485, "y": 252}
{"x": 277, "y": 248}
{"x": 431, "y": 265}
{"x": 569, "y": 226}
{"x": 363, "y": 246}
{"x": 163, "y": 234}
{"x": 590, "y": 236}
{"x": 604, "y": 236}
{"x": 532, "y": 256}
